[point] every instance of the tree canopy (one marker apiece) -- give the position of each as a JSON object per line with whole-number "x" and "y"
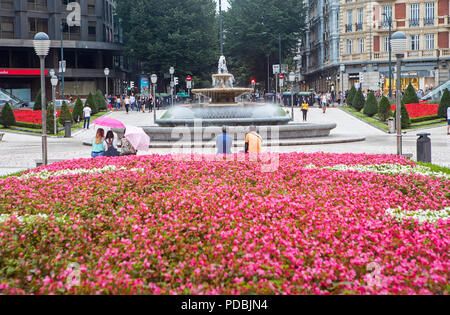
{"x": 171, "y": 33}
{"x": 251, "y": 35}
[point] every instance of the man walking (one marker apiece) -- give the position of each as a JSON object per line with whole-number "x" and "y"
{"x": 87, "y": 116}
{"x": 224, "y": 142}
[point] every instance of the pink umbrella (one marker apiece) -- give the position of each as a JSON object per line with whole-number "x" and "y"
{"x": 108, "y": 122}
{"x": 138, "y": 138}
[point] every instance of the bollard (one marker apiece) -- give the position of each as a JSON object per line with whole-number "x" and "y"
{"x": 391, "y": 125}
{"x": 68, "y": 129}
{"x": 424, "y": 147}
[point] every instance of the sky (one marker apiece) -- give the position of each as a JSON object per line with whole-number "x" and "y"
{"x": 224, "y": 5}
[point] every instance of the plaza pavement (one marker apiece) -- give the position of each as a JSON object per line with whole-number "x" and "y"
{"x": 19, "y": 152}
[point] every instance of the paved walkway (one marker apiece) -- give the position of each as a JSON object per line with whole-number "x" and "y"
{"x": 19, "y": 152}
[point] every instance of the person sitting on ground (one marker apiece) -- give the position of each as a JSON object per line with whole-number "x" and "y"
{"x": 224, "y": 142}
{"x": 127, "y": 148}
{"x": 98, "y": 145}
{"x": 111, "y": 145}
{"x": 253, "y": 142}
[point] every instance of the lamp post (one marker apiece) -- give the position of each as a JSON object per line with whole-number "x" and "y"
{"x": 388, "y": 19}
{"x": 279, "y": 55}
{"x": 106, "y": 75}
{"x": 41, "y": 45}
{"x": 342, "y": 68}
{"x": 154, "y": 81}
{"x": 172, "y": 84}
{"x": 399, "y": 49}
{"x": 292, "y": 80}
{"x": 54, "y": 80}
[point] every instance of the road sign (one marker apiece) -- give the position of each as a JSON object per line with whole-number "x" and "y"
{"x": 281, "y": 76}
{"x": 189, "y": 84}
{"x": 276, "y": 69}
{"x": 281, "y": 82}
{"x": 62, "y": 66}
{"x": 175, "y": 81}
{"x": 189, "y": 78}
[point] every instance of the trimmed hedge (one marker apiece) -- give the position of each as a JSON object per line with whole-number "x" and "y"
{"x": 351, "y": 96}
{"x": 77, "y": 113}
{"x": 410, "y": 95}
{"x": 425, "y": 118}
{"x": 28, "y": 125}
{"x": 359, "y": 101}
{"x": 384, "y": 109}
{"x": 65, "y": 115}
{"x": 7, "y": 118}
{"x": 371, "y": 105}
{"x": 445, "y": 103}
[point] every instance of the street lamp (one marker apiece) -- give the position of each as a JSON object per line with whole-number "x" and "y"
{"x": 292, "y": 80}
{"x": 154, "y": 81}
{"x": 388, "y": 19}
{"x": 399, "y": 49}
{"x": 54, "y": 80}
{"x": 172, "y": 84}
{"x": 279, "y": 55}
{"x": 41, "y": 45}
{"x": 106, "y": 75}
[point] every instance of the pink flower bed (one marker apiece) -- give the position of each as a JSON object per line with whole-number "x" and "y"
{"x": 161, "y": 226}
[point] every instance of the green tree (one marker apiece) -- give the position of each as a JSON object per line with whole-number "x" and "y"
{"x": 7, "y": 118}
{"x": 162, "y": 34}
{"x": 92, "y": 103}
{"x": 65, "y": 115}
{"x": 384, "y": 109}
{"x": 50, "y": 119}
{"x": 100, "y": 100}
{"x": 351, "y": 95}
{"x": 358, "y": 101}
{"x": 445, "y": 103}
{"x": 78, "y": 110}
{"x": 406, "y": 120}
{"x": 410, "y": 95}
{"x": 371, "y": 105}
{"x": 38, "y": 101}
{"x": 252, "y": 30}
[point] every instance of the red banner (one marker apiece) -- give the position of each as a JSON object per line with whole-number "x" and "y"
{"x": 30, "y": 72}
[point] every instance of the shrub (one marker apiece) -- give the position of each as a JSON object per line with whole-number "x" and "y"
{"x": 65, "y": 115}
{"x": 50, "y": 119}
{"x": 358, "y": 101}
{"x": 406, "y": 120}
{"x": 7, "y": 118}
{"x": 101, "y": 104}
{"x": 371, "y": 105}
{"x": 410, "y": 96}
{"x": 384, "y": 109}
{"x": 351, "y": 96}
{"x": 92, "y": 104}
{"x": 445, "y": 103}
{"x": 77, "y": 113}
{"x": 38, "y": 101}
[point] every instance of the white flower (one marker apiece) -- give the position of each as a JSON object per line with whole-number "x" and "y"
{"x": 420, "y": 215}
{"x": 45, "y": 174}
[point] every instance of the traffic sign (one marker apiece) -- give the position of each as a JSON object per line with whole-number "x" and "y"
{"x": 276, "y": 69}
{"x": 189, "y": 78}
{"x": 189, "y": 84}
{"x": 175, "y": 81}
{"x": 281, "y": 82}
{"x": 281, "y": 76}
{"x": 62, "y": 66}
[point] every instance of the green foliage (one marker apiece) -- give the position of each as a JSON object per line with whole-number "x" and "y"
{"x": 92, "y": 104}
{"x": 248, "y": 49}
{"x": 445, "y": 103}
{"x": 100, "y": 101}
{"x": 161, "y": 34}
{"x": 65, "y": 115}
{"x": 78, "y": 110}
{"x": 410, "y": 95}
{"x": 38, "y": 101}
{"x": 358, "y": 101}
{"x": 371, "y": 105}
{"x": 7, "y": 118}
{"x": 50, "y": 119}
{"x": 351, "y": 96}
{"x": 406, "y": 120}
{"x": 384, "y": 109}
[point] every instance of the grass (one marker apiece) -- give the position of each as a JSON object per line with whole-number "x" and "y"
{"x": 12, "y": 175}
{"x": 435, "y": 168}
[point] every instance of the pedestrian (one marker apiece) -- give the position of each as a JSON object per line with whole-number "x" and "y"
{"x": 324, "y": 103}
{"x": 305, "y": 108}
{"x": 98, "y": 145}
{"x": 143, "y": 104}
{"x": 119, "y": 102}
{"x": 127, "y": 104}
{"x": 448, "y": 121}
{"x": 253, "y": 142}
{"x": 87, "y": 115}
{"x": 111, "y": 145}
{"x": 224, "y": 142}
{"x": 127, "y": 148}
{"x": 132, "y": 102}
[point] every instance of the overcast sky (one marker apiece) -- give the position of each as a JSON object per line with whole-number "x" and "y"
{"x": 224, "y": 4}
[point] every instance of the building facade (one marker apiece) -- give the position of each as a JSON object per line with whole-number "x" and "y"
{"x": 320, "y": 49}
{"x": 365, "y": 43}
{"x": 88, "y": 48}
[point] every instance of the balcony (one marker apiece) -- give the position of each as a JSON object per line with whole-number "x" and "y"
{"x": 359, "y": 27}
{"x": 348, "y": 28}
{"x": 428, "y": 22}
{"x": 414, "y": 23}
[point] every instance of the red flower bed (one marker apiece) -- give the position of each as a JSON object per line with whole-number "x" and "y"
{"x": 420, "y": 110}
{"x": 32, "y": 117}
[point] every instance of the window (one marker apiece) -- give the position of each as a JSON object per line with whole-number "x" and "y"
{"x": 429, "y": 41}
{"x": 37, "y": 5}
{"x": 361, "y": 45}
{"x": 385, "y": 43}
{"x": 387, "y": 16}
{"x": 414, "y": 42}
{"x": 415, "y": 15}
{"x": 91, "y": 7}
{"x": 348, "y": 27}
{"x": 429, "y": 13}
{"x": 71, "y": 33}
{"x": 92, "y": 31}
{"x": 6, "y": 27}
{"x": 6, "y": 4}
{"x": 360, "y": 15}
{"x": 36, "y": 25}
{"x": 349, "y": 46}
